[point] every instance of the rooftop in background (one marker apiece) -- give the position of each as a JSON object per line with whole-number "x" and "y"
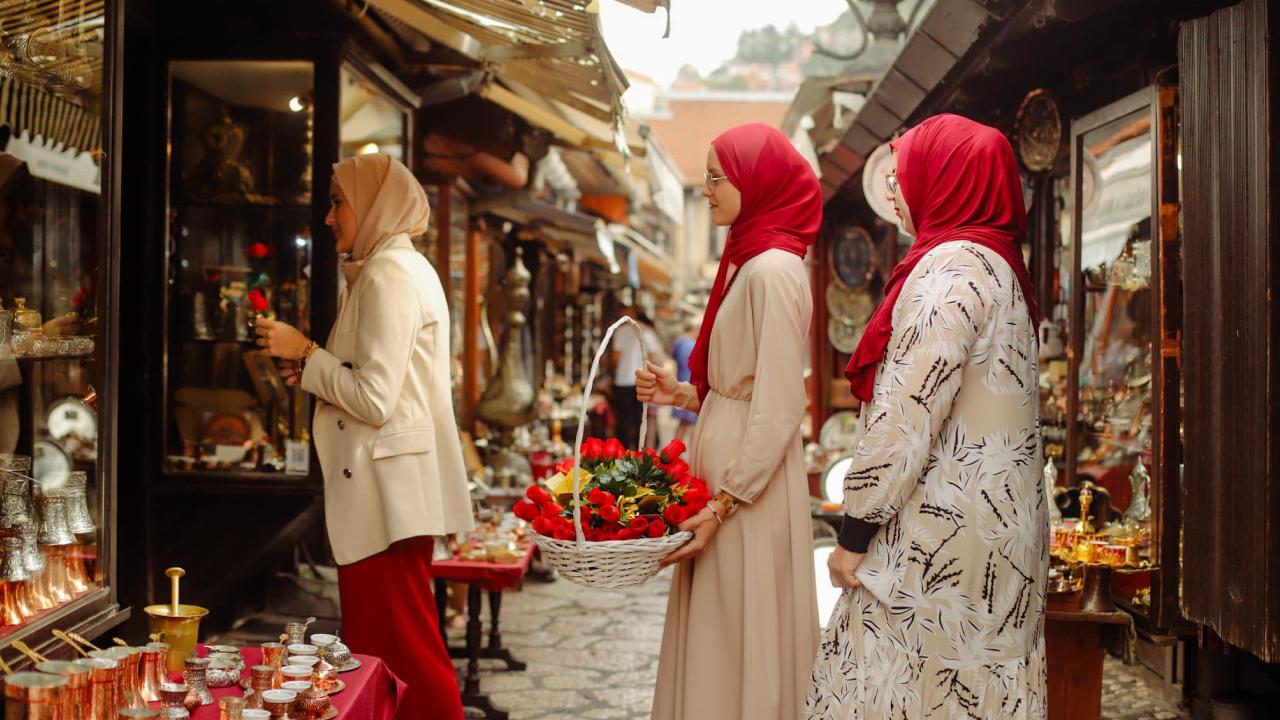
{"x": 686, "y": 123}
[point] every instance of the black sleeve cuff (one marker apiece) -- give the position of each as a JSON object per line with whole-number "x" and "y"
{"x": 855, "y": 534}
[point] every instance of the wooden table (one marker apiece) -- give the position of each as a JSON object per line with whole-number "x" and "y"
{"x": 493, "y": 579}
{"x": 1076, "y": 642}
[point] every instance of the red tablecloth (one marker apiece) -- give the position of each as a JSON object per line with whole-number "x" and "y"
{"x": 372, "y": 692}
{"x": 488, "y": 576}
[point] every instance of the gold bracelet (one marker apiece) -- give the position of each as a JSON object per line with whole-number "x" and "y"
{"x": 728, "y": 502}
{"x": 310, "y": 350}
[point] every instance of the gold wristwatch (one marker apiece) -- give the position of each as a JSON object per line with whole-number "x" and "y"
{"x": 728, "y": 502}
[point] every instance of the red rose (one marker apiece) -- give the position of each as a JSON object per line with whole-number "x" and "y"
{"x": 600, "y": 497}
{"x": 674, "y": 514}
{"x": 257, "y": 251}
{"x": 538, "y": 495}
{"x": 697, "y": 494}
{"x": 609, "y": 513}
{"x": 638, "y": 523}
{"x": 586, "y": 516}
{"x": 606, "y": 534}
{"x": 564, "y": 533}
{"x": 257, "y": 300}
{"x": 551, "y": 510}
{"x": 565, "y": 467}
{"x": 542, "y": 526}
{"x": 614, "y": 450}
{"x": 525, "y": 510}
{"x": 629, "y": 534}
{"x": 592, "y": 449}
{"x": 657, "y": 528}
{"x": 679, "y": 470}
{"x": 673, "y": 450}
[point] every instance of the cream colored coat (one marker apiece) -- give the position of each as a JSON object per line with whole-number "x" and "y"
{"x": 384, "y": 426}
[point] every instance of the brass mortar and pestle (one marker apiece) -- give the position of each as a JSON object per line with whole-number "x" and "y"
{"x": 176, "y": 624}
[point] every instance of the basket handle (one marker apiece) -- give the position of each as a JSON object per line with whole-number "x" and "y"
{"x": 582, "y": 417}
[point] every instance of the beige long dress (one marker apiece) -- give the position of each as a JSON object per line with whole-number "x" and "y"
{"x": 742, "y": 626}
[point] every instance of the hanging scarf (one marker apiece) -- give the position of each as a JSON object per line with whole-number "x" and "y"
{"x": 387, "y": 201}
{"x": 960, "y": 182}
{"x": 781, "y": 208}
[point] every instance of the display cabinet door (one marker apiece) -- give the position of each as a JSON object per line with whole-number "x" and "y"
{"x": 240, "y": 202}
{"x": 1125, "y": 335}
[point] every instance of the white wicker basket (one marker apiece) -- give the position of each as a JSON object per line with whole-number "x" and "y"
{"x": 612, "y": 563}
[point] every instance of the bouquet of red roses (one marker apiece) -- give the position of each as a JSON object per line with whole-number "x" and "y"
{"x": 625, "y": 494}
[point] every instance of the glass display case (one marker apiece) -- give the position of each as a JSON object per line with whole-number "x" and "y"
{"x": 240, "y": 200}
{"x": 1125, "y": 290}
{"x": 57, "y": 363}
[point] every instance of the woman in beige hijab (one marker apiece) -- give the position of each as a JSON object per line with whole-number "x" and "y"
{"x": 384, "y": 428}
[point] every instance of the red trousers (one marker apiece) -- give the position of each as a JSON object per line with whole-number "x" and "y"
{"x": 388, "y": 611}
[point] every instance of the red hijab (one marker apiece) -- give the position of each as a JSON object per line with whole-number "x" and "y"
{"x": 960, "y": 181}
{"x": 781, "y": 208}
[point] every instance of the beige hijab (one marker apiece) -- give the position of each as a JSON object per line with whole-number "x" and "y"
{"x": 387, "y": 200}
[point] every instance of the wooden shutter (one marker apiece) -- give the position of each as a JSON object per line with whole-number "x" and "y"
{"x": 1231, "y": 509}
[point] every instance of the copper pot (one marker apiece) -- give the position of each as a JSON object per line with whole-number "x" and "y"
{"x": 33, "y": 696}
{"x": 104, "y": 679}
{"x": 75, "y": 696}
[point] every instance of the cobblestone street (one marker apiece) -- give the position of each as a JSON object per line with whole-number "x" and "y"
{"x": 594, "y": 654}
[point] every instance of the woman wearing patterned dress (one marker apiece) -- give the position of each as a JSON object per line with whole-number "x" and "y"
{"x": 943, "y": 551}
{"x": 742, "y": 617}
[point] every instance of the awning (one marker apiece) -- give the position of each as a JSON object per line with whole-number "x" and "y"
{"x": 945, "y": 35}
{"x": 583, "y": 233}
{"x": 554, "y": 47}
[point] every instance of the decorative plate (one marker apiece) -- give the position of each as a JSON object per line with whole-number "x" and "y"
{"x": 833, "y": 478}
{"x": 844, "y": 335}
{"x": 1038, "y": 131}
{"x": 338, "y": 686}
{"x": 353, "y": 664}
{"x": 227, "y": 429}
{"x": 873, "y": 184}
{"x": 70, "y": 416}
{"x": 841, "y": 431}
{"x": 852, "y": 305}
{"x": 853, "y": 256}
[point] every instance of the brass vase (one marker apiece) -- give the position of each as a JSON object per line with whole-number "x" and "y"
{"x": 508, "y": 399}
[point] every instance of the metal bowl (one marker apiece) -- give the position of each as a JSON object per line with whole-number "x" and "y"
{"x": 222, "y": 673}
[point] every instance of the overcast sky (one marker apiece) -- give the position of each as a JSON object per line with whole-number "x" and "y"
{"x": 704, "y": 33}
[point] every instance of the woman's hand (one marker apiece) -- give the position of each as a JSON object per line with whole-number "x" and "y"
{"x": 291, "y": 373}
{"x": 657, "y": 386}
{"x": 280, "y": 339}
{"x": 842, "y": 564}
{"x": 704, "y": 526}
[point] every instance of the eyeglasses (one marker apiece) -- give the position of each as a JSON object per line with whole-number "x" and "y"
{"x": 891, "y": 180}
{"x": 710, "y": 180}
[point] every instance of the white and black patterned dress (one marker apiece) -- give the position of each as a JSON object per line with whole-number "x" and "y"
{"x": 949, "y": 622}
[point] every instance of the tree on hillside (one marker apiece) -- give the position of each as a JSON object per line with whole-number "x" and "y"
{"x": 769, "y": 45}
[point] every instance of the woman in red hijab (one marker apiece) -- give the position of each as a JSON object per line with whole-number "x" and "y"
{"x": 741, "y": 628}
{"x": 943, "y": 553}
